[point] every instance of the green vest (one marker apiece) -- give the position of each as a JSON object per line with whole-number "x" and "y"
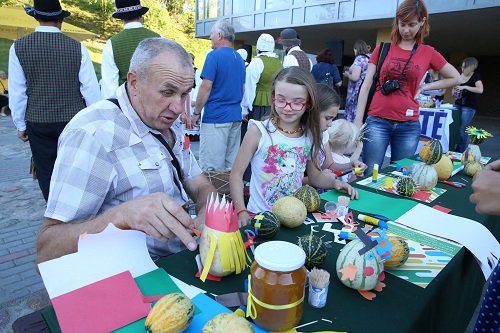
{"x": 263, "y": 90}
{"x": 51, "y": 64}
{"x": 124, "y": 44}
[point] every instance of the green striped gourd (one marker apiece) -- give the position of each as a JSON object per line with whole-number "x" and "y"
{"x": 309, "y": 196}
{"x": 266, "y": 224}
{"x": 431, "y": 151}
{"x": 406, "y": 186}
{"x": 425, "y": 176}
{"x": 472, "y": 168}
{"x": 171, "y": 314}
{"x": 359, "y": 271}
{"x": 315, "y": 250}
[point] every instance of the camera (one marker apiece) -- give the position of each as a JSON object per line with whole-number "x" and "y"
{"x": 389, "y": 86}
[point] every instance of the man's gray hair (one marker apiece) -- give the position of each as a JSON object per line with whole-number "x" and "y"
{"x": 149, "y": 48}
{"x": 225, "y": 28}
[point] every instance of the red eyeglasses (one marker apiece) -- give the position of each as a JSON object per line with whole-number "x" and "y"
{"x": 282, "y": 103}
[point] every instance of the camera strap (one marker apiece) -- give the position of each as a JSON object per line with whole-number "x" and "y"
{"x": 413, "y": 51}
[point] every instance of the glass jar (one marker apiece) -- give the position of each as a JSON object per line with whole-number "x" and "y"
{"x": 277, "y": 285}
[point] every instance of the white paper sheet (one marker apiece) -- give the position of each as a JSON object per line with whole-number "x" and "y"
{"x": 471, "y": 234}
{"x": 99, "y": 256}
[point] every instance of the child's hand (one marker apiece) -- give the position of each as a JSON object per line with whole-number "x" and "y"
{"x": 359, "y": 164}
{"x": 344, "y": 187}
{"x": 243, "y": 219}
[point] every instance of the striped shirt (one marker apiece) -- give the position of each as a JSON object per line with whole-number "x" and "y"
{"x": 107, "y": 156}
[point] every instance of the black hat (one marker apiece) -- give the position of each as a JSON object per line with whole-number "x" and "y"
{"x": 289, "y": 37}
{"x": 129, "y": 9}
{"x": 49, "y": 10}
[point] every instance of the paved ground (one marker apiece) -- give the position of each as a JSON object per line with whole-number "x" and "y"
{"x": 21, "y": 211}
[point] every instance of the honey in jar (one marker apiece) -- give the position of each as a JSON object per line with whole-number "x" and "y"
{"x": 277, "y": 285}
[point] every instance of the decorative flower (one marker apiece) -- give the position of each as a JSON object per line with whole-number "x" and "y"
{"x": 477, "y": 135}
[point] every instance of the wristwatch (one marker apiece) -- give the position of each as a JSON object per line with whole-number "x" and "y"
{"x": 196, "y": 114}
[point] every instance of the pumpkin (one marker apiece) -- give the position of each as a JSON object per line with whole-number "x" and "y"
{"x": 315, "y": 249}
{"x": 431, "y": 151}
{"x": 265, "y": 224}
{"x": 471, "y": 153}
{"x": 444, "y": 168}
{"x": 425, "y": 176}
{"x": 359, "y": 271}
{"x": 472, "y": 168}
{"x": 171, "y": 314}
{"x": 290, "y": 211}
{"x": 227, "y": 322}
{"x": 309, "y": 196}
{"x": 406, "y": 186}
{"x": 400, "y": 253}
{"x": 229, "y": 255}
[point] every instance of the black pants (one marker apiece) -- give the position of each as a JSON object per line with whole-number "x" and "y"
{"x": 43, "y": 143}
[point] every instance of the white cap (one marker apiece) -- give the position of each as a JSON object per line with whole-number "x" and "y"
{"x": 265, "y": 43}
{"x": 280, "y": 256}
{"x": 243, "y": 53}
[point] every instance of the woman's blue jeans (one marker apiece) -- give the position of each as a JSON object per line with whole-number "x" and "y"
{"x": 466, "y": 115}
{"x": 402, "y": 136}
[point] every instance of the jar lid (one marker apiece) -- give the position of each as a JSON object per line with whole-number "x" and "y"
{"x": 280, "y": 256}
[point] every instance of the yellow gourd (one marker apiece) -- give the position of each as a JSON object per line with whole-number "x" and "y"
{"x": 290, "y": 211}
{"x": 227, "y": 322}
{"x": 444, "y": 168}
{"x": 171, "y": 314}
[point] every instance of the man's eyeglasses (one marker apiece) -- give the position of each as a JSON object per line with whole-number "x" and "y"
{"x": 282, "y": 103}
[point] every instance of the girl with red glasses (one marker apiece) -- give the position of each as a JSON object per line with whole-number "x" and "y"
{"x": 282, "y": 147}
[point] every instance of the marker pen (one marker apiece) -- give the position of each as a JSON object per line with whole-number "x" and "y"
{"x": 373, "y": 221}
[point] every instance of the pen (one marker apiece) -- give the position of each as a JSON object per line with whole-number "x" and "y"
{"x": 340, "y": 173}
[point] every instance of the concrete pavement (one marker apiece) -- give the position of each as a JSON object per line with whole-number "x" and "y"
{"x": 21, "y": 212}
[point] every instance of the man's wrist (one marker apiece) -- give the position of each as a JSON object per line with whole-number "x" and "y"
{"x": 196, "y": 114}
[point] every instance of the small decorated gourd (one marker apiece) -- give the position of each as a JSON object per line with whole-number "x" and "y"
{"x": 400, "y": 253}
{"x": 171, "y": 314}
{"x": 406, "y": 186}
{"x": 315, "y": 249}
{"x": 472, "y": 168}
{"x": 425, "y": 176}
{"x": 291, "y": 212}
{"x": 222, "y": 250}
{"x": 431, "y": 151}
{"x": 227, "y": 322}
{"x": 309, "y": 196}
{"x": 471, "y": 153}
{"x": 444, "y": 168}
{"x": 265, "y": 224}
{"x": 359, "y": 271}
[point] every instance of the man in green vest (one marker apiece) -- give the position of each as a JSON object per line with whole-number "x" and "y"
{"x": 118, "y": 50}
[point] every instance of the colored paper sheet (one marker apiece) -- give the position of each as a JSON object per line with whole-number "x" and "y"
{"x": 424, "y": 196}
{"x": 102, "y": 306}
{"x": 374, "y": 203}
{"x": 457, "y": 165}
{"x": 471, "y": 234}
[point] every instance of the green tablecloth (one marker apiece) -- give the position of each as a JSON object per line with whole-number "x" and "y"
{"x": 446, "y": 305}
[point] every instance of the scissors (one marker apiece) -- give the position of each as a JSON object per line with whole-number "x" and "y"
{"x": 454, "y": 184}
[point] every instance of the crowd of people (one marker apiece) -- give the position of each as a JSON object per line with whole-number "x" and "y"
{"x": 117, "y": 152}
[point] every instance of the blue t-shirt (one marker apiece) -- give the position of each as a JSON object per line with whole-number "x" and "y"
{"x": 326, "y": 73}
{"x": 226, "y": 69}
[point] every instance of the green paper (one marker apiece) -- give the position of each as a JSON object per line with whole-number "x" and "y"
{"x": 406, "y": 162}
{"x": 370, "y": 202}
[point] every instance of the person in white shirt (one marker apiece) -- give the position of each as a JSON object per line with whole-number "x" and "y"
{"x": 118, "y": 50}
{"x": 294, "y": 56}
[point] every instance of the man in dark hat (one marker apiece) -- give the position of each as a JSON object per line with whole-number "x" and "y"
{"x": 51, "y": 78}
{"x": 294, "y": 56}
{"x": 118, "y": 50}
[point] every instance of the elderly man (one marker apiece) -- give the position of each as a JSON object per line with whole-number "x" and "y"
{"x": 294, "y": 56}
{"x": 124, "y": 162}
{"x": 118, "y": 50}
{"x": 51, "y": 78}
{"x": 220, "y": 94}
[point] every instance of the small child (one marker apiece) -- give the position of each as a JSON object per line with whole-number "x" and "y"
{"x": 343, "y": 139}
{"x": 282, "y": 147}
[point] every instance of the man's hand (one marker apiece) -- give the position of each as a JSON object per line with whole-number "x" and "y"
{"x": 159, "y": 216}
{"x": 22, "y": 135}
{"x": 486, "y": 189}
{"x": 196, "y": 119}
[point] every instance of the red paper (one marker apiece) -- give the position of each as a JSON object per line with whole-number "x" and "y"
{"x": 421, "y": 195}
{"x": 220, "y": 214}
{"x": 442, "y": 209}
{"x": 102, "y": 306}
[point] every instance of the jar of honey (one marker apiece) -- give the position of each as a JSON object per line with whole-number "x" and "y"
{"x": 276, "y": 286}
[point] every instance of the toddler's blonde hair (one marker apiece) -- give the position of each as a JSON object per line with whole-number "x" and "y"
{"x": 342, "y": 134}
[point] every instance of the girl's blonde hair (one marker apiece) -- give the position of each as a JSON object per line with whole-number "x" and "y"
{"x": 342, "y": 134}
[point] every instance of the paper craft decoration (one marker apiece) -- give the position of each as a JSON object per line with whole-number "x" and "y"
{"x": 102, "y": 306}
{"x": 222, "y": 250}
{"x": 380, "y": 184}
